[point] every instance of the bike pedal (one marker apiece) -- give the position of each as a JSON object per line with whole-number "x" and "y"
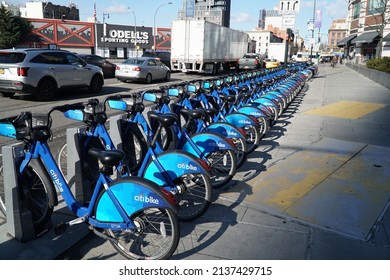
{"x": 60, "y": 228}
{"x": 77, "y": 221}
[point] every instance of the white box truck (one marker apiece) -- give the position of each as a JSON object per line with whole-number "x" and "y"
{"x": 204, "y": 47}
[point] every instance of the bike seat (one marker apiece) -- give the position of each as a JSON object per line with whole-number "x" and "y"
{"x": 227, "y": 98}
{"x": 164, "y": 119}
{"x": 191, "y": 114}
{"x": 107, "y": 157}
{"x": 210, "y": 112}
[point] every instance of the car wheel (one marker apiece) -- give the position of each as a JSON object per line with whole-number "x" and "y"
{"x": 46, "y": 90}
{"x": 7, "y": 94}
{"x": 168, "y": 76}
{"x": 96, "y": 84}
{"x": 148, "y": 78}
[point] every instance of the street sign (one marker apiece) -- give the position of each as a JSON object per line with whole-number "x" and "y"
{"x": 288, "y": 21}
{"x": 289, "y": 6}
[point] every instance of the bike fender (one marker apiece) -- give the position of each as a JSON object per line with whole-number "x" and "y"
{"x": 176, "y": 164}
{"x": 225, "y": 129}
{"x": 264, "y": 101}
{"x": 240, "y": 119}
{"x": 134, "y": 194}
{"x": 252, "y": 111}
{"x": 208, "y": 142}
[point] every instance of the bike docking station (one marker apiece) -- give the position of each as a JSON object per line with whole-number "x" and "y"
{"x": 19, "y": 219}
{"x": 116, "y": 122}
{"x": 78, "y": 182}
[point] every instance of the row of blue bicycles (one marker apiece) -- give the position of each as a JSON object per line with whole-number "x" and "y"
{"x": 167, "y": 162}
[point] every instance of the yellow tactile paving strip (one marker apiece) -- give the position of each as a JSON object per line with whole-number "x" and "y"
{"x": 343, "y": 188}
{"x": 346, "y": 109}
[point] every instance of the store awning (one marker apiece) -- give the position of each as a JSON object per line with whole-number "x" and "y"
{"x": 366, "y": 37}
{"x": 386, "y": 38}
{"x": 346, "y": 40}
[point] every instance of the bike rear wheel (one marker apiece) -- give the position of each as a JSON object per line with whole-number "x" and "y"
{"x": 194, "y": 196}
{"x": 223, "y": 165}
{"x": 253, "y": 137}
{"x": 2, "y": 192}
{"x": 156, "y": 238}
{"x": 263, "y": 127}
{"x": 241, "y": 153}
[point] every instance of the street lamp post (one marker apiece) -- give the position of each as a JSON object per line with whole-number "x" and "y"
{"x": 312, "y": 31}
{"x": 135, "y": 31}
{"x": 154, "y": 24}
{"x": 104, "y": 33}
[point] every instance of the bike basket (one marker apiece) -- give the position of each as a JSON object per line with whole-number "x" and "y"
{"x": 77, "y": 115}
{"x": 173, "y": 92}
{"x": 40, "y": 127}
{"x": 32, "y": 126}
{"x": 122, "y": 105}
{"x": 7, "y": 129}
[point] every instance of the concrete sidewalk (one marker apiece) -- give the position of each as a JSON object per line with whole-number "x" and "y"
{"x": 317, "y": 188}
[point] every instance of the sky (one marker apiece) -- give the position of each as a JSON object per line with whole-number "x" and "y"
{"x": 244, "y": 13}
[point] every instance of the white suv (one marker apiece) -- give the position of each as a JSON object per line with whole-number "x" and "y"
{"x": 42, "y": 72}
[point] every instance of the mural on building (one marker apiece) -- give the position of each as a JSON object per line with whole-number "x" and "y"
{"x": 64, "y": 33}
{"x": 163, "y": 39}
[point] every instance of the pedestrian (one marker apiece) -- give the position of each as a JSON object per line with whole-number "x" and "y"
{"x": 334, "y": 61}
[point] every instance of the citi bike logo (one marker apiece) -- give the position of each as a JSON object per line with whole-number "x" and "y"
{"x": 231, "y": 133}
{"x": 217, "y": 144}
{"x": 146, "y": 199}
{"x": 187, "y": 166}
{"x": 56, "y": 180}
{"x": 244, "y": 122}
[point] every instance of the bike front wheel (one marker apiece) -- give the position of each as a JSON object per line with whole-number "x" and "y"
{"x": 156, "y": 237}
{"x": 36, "y": 193}
{"x": 223, "y": 165}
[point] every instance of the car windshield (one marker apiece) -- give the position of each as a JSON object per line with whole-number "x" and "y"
{"x": 133, "y": 61}
{"x": 11, "y": 57}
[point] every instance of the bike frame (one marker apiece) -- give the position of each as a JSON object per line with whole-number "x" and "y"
{"x": 117, "y": 220}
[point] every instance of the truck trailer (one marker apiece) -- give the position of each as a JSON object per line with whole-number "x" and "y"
{"x": 204, "y": 47}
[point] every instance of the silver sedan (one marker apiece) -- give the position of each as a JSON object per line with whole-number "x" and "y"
{"x": 142, "y": 69}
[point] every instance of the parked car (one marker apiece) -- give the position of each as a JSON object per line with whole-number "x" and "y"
{"x": 41, "y": 72}
{"x": 142, "y": 68}
{"x": 164, "y": 57}
{"x": 107, "y": 66}
{"x": 271, "y": 63}
{"x": 251, "y": 61}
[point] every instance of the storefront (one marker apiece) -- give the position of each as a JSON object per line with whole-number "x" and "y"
{"x": 366, "y": 44}
{"x": 122, "y": 41}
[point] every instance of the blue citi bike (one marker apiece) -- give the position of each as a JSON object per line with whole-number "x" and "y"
{"x": 137, "y": 217}
{"x": 177, "y": 172}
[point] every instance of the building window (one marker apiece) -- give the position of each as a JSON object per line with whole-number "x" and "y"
{"x": 375, "y": 6}
{"x": 356, "y": 10}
